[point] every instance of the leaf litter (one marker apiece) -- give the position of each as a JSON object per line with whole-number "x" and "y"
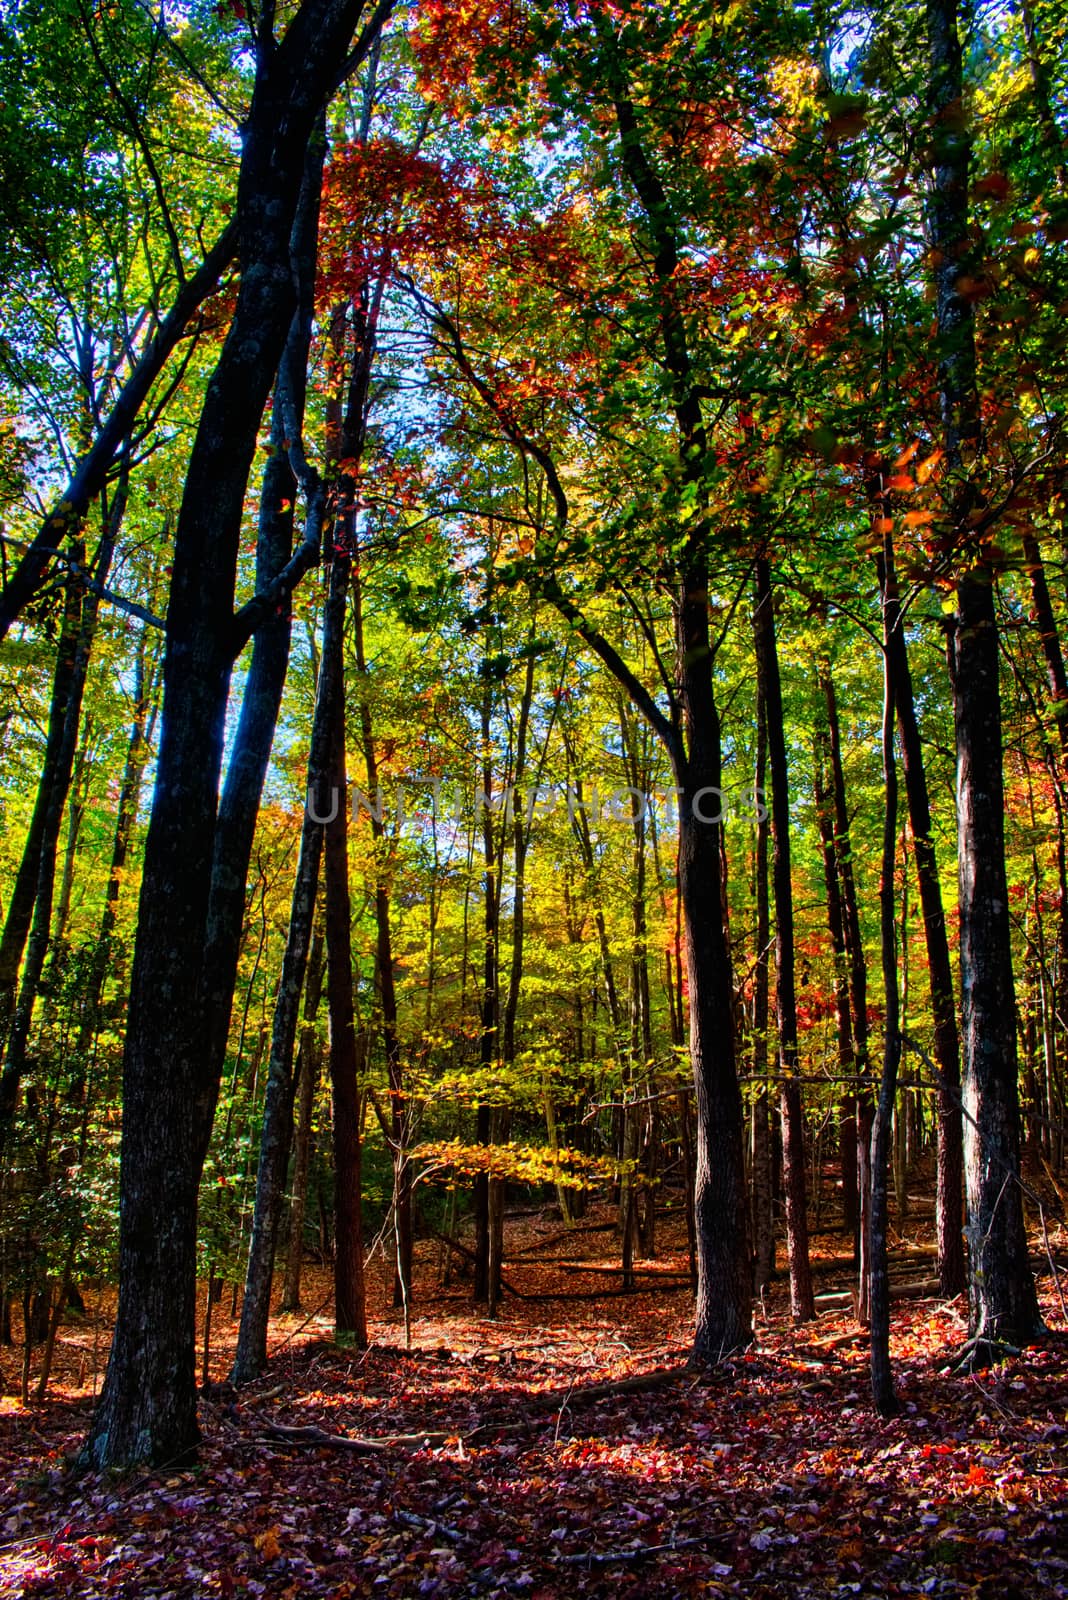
{"x": 565, "y": 1449}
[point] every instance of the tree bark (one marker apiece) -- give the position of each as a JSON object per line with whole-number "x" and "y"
{"x": 802, "y": 1303}
{"x": 147, "y": 1409}
{"x": 882, "y": 1379}
{"x": 1002, "y": 1299}
{"x": 763, "y": 1215}
{"x": 42, "y": 845}
{"x": 858, "y": 983}
{"x": 949, "y": 1191}
{"x": 250, "y": 1357}
{"x": 308, "y": 1065}
{"x": 346, "y": 1052}
{"x": 843, "y": 1014}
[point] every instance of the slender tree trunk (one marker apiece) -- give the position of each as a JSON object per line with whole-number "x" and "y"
{"x": 763, "y": 1213}
{"x": 489, "y": 1042}
{"x": 843, "y": 1015}
{"x": 44, "y": 827}
{"x": 250, "y": 1357}
{"x": 802, "y": 1302}
{"x": 145, "y": 702}
{"x": 691, "y": 734}
{"x": 949, "y": 1195}
{"x": 350, "y": 1314}
{"x": 882, "y": 1380}
{"x": 55, "y": 787}
{"x": 387, "y": 993}
{"x": 858, "y": 984}
{"x": 308, "y": 1075}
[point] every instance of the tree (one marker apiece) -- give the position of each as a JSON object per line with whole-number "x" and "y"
{"x": 1002, "y": 1300}
{"x": 147, "y": 1409}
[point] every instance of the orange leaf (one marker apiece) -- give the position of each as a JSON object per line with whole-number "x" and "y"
{"x": 267, "y": 1544}
{"x": 925, "y": 468}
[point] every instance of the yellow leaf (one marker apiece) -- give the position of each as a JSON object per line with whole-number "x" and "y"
{"x": 267, "y": 1544}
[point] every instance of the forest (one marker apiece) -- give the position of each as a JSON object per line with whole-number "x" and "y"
{"x": 533, "y": 797}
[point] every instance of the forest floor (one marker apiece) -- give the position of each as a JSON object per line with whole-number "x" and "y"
{"x": 565, "y": 1449}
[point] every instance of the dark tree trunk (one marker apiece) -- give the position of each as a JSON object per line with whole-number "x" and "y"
{"x": 1057, "y": 681}
{"x": 763, "y": 1215}
{"x": 691, "y": 735}
{"x": 949, "y": 1193}
{"x": 802, "y": 1302}
{"x": 346, "y": 1052}
{"x": 882, "y": 1379}
{"x": 147, "y": 1409}
{"x": 858, "y": 984}
{"x": 239, "y": 807}
{"x": 387, "y": 991}
{"x": 489, "y": 1043}
{"x": 1002, "y": 1300}
{"x": 42, "y": 845}
{"x": 104, "y": 963}
{"x": 723, "y": 1314}
{"x": 308, "y": 1066}
{"x": 1003, "y": 1303}
{"x": 250, "y": 1357}
{"x": 724, "y": 1310}
{"x": 843, "y": 1014}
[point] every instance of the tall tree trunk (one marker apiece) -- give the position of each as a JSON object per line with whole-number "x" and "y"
{"x": 250, "y": 1356}
{"x": 145, "y": 704}
{"x": 52, "y": 799}
{"x": 1002, "y": 1297}
{"x": 1057, "y": 681}
{"x": 489, "y": 1039}
{"x": 691, "y": 735}
{"x": 882, "y": 1380}
{"x": 802, "y": 1302}
{"x": 387, "y": 992}
{"x": 843, "y": 1014}
{"x": 147, "y": 1409}
{"x": 309, "y": 1062}
{"x": 858, "y": 982}
{"x": 763, "y": 1214}
{"x": 949, "y": 1193}
{"x": 723, "y": 1311}
{"x": 350, "y": 1316}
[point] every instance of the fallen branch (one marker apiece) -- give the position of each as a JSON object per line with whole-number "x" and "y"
{"x": 319, "y": 1438}
{"x": 462, "y": 1249}
{"x": 611, "y": 1271}
{"x": 348, "y": 1441}
{"x": 593, "y": 1392}
{"x": 428, "y": 1525}
{"x": 594, "y": 1558}
{"x": 550, "y": 1239}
